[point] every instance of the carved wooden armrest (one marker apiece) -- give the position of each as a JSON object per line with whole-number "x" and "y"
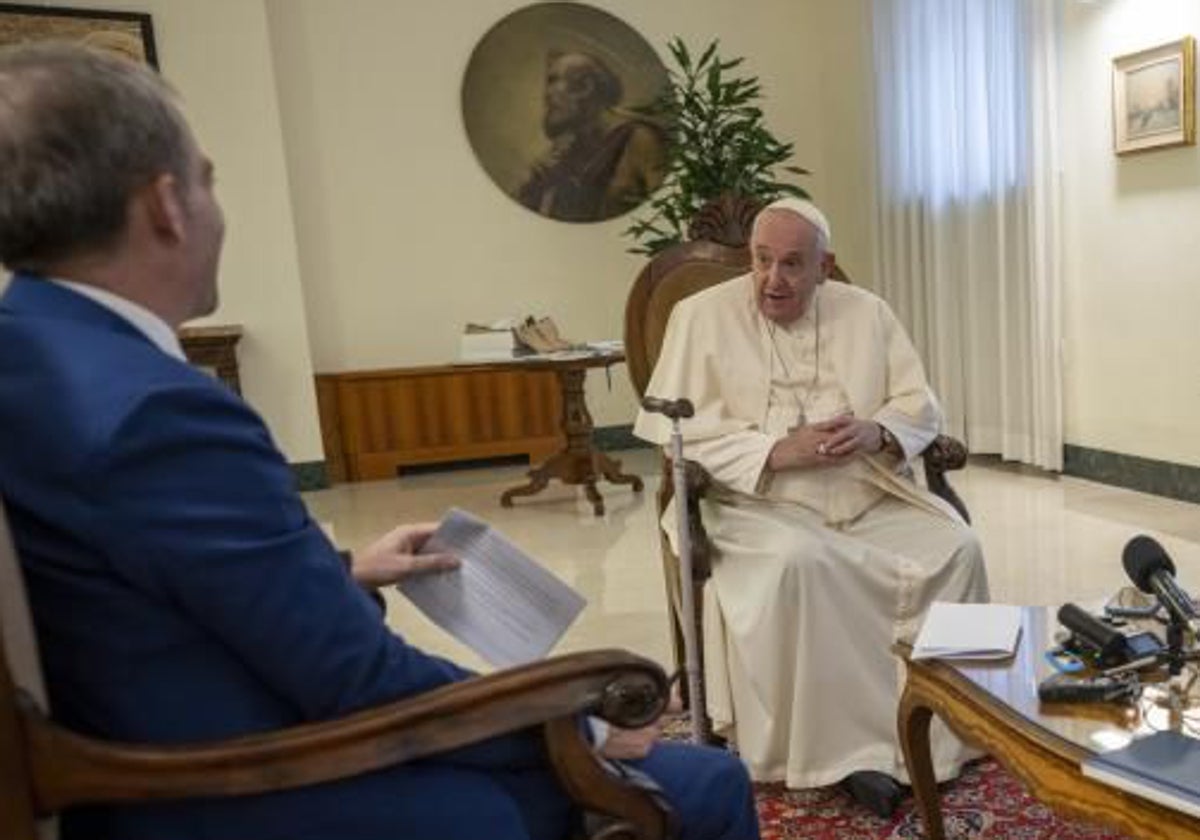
{"x": 68, "y": 769}
{"x": 944, "y": 454}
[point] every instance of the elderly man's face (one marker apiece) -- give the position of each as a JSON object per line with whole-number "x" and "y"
{"x": 788, "y": 264}
{"x": 570, "y": 92}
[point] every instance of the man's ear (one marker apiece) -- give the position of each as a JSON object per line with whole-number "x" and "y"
{"x": 162, "y": 199}
{"x": 828, "y": 264}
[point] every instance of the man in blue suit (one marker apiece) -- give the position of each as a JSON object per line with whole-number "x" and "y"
{"x": 179, "y": 588}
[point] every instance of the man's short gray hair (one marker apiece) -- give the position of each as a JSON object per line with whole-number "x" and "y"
{"x": 80, "y": 131}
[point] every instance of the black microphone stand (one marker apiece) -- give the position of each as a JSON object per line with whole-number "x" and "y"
{"x": 1178, "y": 630}
{"x": 1175, "y": 655}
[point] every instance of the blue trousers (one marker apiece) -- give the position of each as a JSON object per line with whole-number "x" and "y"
{"x": 708, "y": 789}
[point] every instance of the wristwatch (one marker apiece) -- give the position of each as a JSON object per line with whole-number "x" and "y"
{"x": 887, "y": 440}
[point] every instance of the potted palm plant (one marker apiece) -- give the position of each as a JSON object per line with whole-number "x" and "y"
{"x": 719, "y": 146}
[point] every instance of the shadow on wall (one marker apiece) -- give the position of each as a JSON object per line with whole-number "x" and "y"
{"x": 1155, "y": 171}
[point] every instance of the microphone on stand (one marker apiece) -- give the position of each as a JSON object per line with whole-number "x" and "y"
{"x": 1151, "y": 570}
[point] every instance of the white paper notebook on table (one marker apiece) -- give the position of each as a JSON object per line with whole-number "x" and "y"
{"x": 968, "y": 631}
{"x": 499, "y": 602}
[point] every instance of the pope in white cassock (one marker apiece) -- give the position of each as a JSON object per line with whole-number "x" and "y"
{"x": 810, "y": 402}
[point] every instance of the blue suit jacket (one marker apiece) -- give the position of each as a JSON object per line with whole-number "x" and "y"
{"x": 181, "y": 592}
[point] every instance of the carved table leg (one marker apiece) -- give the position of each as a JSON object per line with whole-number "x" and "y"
{"x": 577, "y": 426}
{"x": 610, "y": 468}
{"x": 913, "y": 720}
{"x": 589, "y": 489}
{"x": 579, "y": 462}
{"x": 539, "y": 477}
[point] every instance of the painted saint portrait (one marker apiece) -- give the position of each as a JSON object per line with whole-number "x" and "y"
{"x": 557, "y": 101}
{"x": 128, "y": 34}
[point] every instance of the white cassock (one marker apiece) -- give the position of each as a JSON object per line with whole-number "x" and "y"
{"x": 817, "y": 572}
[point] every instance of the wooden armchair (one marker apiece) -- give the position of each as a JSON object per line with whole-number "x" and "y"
{"x": 718, "y": 250}
{"x": 45, "y": 768}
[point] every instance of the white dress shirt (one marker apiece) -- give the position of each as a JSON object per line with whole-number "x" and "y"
{"x": 141, "y": 318}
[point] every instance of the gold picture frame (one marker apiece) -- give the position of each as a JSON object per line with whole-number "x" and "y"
{"x": 1154, "y": 97}
{"x": 128, "y": 33}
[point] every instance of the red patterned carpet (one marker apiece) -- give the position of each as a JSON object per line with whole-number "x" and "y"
{"x": 985, "y": 803}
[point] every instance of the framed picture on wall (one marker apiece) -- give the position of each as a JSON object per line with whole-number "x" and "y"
{"x": 558, "y": 101}
{"x": 1154, "y": 97}
{"x": 127, "y": 33}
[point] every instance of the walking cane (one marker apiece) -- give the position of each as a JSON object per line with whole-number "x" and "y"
{"x": 677, "y": 410}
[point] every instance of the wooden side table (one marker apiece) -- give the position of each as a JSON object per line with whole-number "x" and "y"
{"x": 579, "y": 462}
{"x": 215, "y": 350}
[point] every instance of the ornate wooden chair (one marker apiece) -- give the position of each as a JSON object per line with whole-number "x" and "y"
{"x": 717, "y": 250}
{"x": 45, "y": 768}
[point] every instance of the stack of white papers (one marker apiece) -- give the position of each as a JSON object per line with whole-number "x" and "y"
{"x": 479, "y": 344}
{"x": 968, "y": 631}
{"x": 499, "y": 602}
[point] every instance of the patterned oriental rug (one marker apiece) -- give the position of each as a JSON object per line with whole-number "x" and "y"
{"x": 984, "y": 803}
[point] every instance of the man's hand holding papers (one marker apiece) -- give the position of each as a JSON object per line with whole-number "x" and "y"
{"x": 397, "y": 554}
{"x": 500, "y": 602}
{"x": 506, "y": 608}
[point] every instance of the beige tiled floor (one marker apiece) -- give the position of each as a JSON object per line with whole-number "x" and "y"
{"x": 1047, "y": 540}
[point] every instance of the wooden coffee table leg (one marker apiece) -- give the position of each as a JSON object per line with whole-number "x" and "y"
{"x": 913, "y": 722}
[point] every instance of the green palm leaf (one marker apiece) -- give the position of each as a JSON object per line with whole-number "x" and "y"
{"x": 718, "y": 144}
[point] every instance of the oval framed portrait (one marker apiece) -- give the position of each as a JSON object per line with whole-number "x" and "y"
{"x": 558, "y": 103}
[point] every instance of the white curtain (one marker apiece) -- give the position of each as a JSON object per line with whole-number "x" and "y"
{"x": 968, "y": 225}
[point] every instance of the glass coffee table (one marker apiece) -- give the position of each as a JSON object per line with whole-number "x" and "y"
{"x": 994, "y": 706}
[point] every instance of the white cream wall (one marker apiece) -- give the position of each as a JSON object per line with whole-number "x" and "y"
{"x": 217, "y": 55}
{"x": 402, "y": 236}
{"x": 845, "y": 116}
{"x": 1132, "y": 296}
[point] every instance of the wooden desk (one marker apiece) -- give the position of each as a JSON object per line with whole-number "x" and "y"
{"x": 995, "y": 707}
{"x": 579, "y": 462}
